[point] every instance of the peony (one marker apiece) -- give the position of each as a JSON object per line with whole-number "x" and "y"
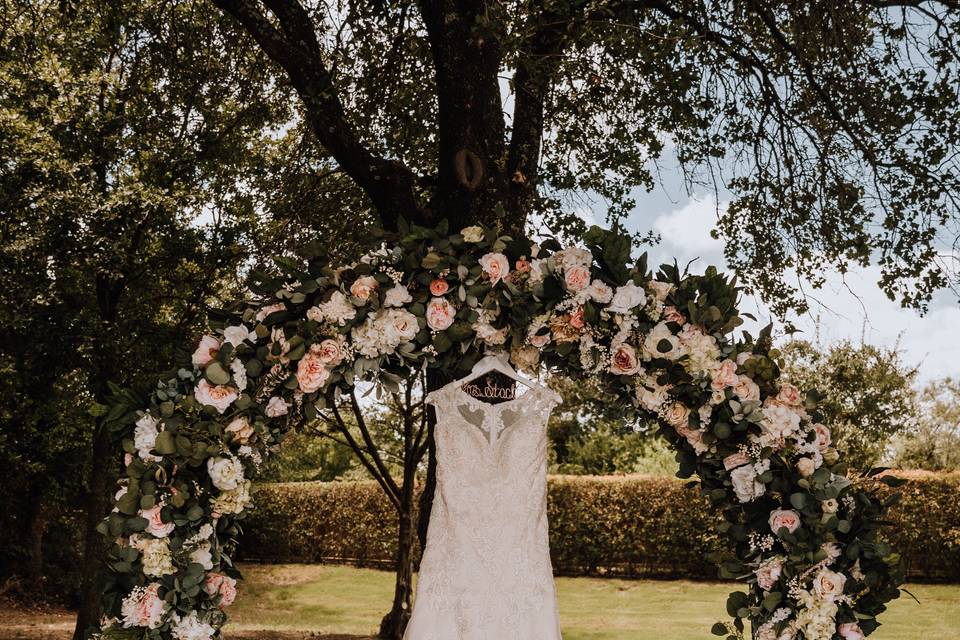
{"x": 745, "y": 484}
{"x": 850, "y": 631}
{"x": 439, "y": 287}
{"x": 829, "y": 584}
{"x": 145, "y": 437}
{"x": 661, "y": 334}
{"x": 789, "y": 395}
{"x": 624, "y": 361}
{"x": 735, "y": 460}
{"x": 768, "y": 573}
{"x": 191, "y": 628}
{"x": 276, "y": 407}
{"x": 155, "y": 524}
{"x": 472, "y": 234}
{"x": 576, "y": 277}
{"x": 312, "y": 373}
{"x": 338, "y": 309}
{"x": 440, "y": 314}
{"x": 241, "y": 429}
{"x": 626, "y": 298}
{"x": 218, "y": 396}
{"x": 328, "y": 351}
{"x": 266, "y": 311}
{"x": 224, "y": 586}
{"x": 143, "y": 607}
{"x": 397, "y": 296}
{"x": 823, "y": 435}
{"x": 725, "y": 376}
{"x": 495, "y": 266}
{"x": 237, "y": 334}
{"x": 784, "y": 519}
{"x": 206, "y": 351}
{"x": 746, "y": 389}
{"x": 660, "y": 289}
{"x": 225, "y": 473}
{"x": 600, "y": 292}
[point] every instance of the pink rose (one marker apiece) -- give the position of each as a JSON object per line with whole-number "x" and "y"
{"x": 726, "y": 376}
{"x": 276, "y": 407}
{"x": 735, "y": 460}
{"x": 746, "y": 389}
{"x": 206, "y": 351}
{"x": 273, "y": 308}
{"x": 522, "y": 266}
{"x": 677, "y": 416}
{"x": 439, "y": 287}
{"x": 670, "y": 314}
{"x": 789, "y": 395}
{"x": 328, "y": 351}
{"x": 624, "y": 361}
{"x": 768, "y": 573}
{"x": 577, "y": 277}
{"x": 217, "y": 396}
{"x": 241, "y": 428}
{"x": 363, "y": 287}
{"x": 850, "y": 631}
{"x": 225, "y": 586}
{"x": 495, "y": 265}
{"x": 784, "y": 519}
{"x": 312, "y": 373}
{"x": 155, "y": 525}
{"x": 440, "y": 314}
{"x": 576, "y": 319}
{"x": 148, "y": 610}
{"x": 829, "y": 584}
{"x": 823, "y": 435}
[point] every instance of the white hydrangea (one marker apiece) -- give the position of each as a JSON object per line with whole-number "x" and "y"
{"x": 239, "y": 374}
{"x": 337, "y": 309}
{"x": 745, "y": 483}
{"x": 191, "y": 628}
{"x": 702, "y": 351}
{"x": 154, "y": 555}
{"x": 384, "y": 331}
{"x": 145, "y": 437}
{"x": 232, "y": 501}
{"x": 202, "y": 556}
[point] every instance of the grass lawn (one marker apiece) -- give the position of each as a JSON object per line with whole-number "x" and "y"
{"x": 343, "y": 600}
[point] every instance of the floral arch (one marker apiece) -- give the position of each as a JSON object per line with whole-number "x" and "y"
{"x": 799, "y": 533}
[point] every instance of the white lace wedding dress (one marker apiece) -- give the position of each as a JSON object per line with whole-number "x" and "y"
{"x": 486, "y": 573}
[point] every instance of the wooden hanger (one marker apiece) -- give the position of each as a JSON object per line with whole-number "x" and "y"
{"x": 498, "y": 362}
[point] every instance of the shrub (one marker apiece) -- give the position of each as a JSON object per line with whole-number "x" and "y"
{"x": 632, "y": 526}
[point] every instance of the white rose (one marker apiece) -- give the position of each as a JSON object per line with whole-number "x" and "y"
{"x": 401, "y": 326}
{"x": 829, "y": 584}
{"x": 495, "y": 265}
{"x": 472, "y": 234}
{"x": 363, "y": 287}
{"x": 660, "y": 289}
{"x": 145, "y": 437}
{"x": 769, "y": 572}
{"x": 237, "y": 334}
{"x": 746, "y": 389}
{"x": 806, "y": 467}
{"x": 440, "y": 314}
{"x": 626, "y": 298}
{"x": 225, "y": 473}
{"x": 276, "y": 407}
{"x": 745, "y": 483}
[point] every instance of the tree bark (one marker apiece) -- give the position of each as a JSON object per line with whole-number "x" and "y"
{"x": 395, "y": 622}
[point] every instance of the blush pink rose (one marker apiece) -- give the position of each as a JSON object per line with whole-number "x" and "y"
{"x": 363, "y": 287}
{"x": 746, "y": 389}
{"x": 522, "y": 266}
{"x": 850, "y": 631}
{"x": 671, "y": 314}
{"x": 576, "y": 319}
{"x": 155, "y": 525}
{"x": 784, "y": 519}
{"x": 789, "y": 395}
{"x": 495, "y": 265}
{"x": 225, "y": 586}
{"x": 735, "y": 460}
{"x": 768, "y": 573}
{"x": 206, "y": 351}
{"x": 241, "y": 428}
{"x": 823, "y": 435}
{"x": 624, "y": 361}
{"x": 329, "y": 351}
{"x": 218, "y": 396}
{"x": 312, "y": 373}
{"x": 577, "y": 277}
{"x": 726, "y": 376}
{"x": 806, "y": 467}
{"x": 149, "y": 608}
{"x": 439, "y": 287}
{"x": 440, "y": 314}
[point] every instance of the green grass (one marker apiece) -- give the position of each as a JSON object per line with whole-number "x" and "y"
{"x": 344, "y": 600}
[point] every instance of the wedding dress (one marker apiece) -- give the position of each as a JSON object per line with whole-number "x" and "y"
{"x": 486, "y": 572}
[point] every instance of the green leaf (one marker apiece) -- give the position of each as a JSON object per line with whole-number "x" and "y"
{"x": 216, "y": 374}
{"x": 165, "y": 444}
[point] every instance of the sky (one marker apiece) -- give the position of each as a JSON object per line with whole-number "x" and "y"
{"x": 853, "y": 308}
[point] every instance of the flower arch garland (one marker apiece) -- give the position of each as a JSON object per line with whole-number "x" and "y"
{"x": 799, "y": 532}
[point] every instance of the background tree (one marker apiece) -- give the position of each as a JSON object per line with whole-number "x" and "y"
{"x": 134, "y": 135}
{"x": 866, "y": 394}
{"x": 934, "y": 442}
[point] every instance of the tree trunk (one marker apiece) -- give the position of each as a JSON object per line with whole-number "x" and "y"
{"x": 395, "y": 622}
{"x": 37, "y": 527}
{"x": 434, "y": 382}
{"x": 94, "y": 547}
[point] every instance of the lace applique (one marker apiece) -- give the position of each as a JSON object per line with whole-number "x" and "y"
{"x": 486, "y": 573}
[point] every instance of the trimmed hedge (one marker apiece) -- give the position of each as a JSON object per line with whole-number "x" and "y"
{"x": 613, "y": 525}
